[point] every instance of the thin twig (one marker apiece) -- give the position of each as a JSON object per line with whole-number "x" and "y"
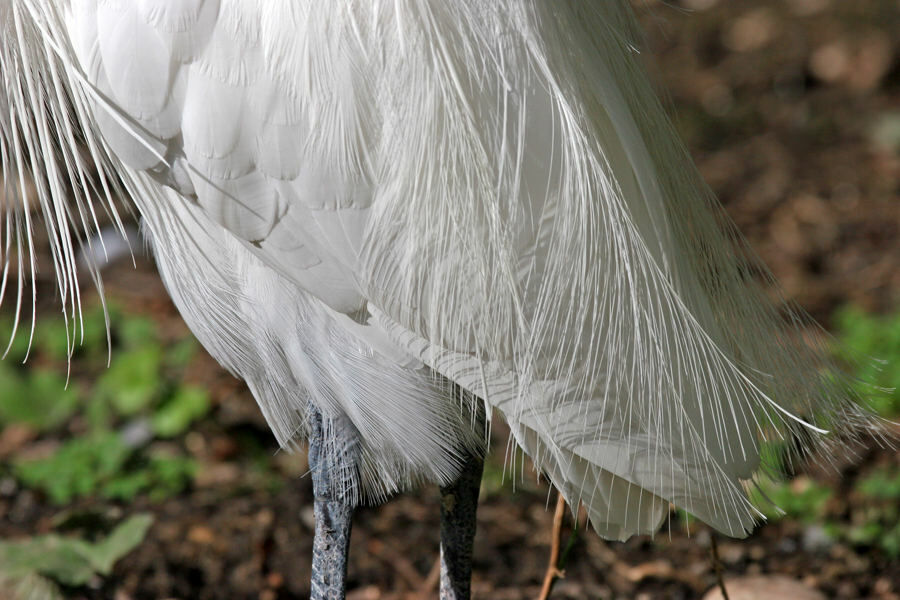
{"x": 431, "y": 580}
{"x": 573, "y": 540}
{"x": 401, "y": 565}
{"x": 553, "y": 571}
{"x": 717, "y": 565}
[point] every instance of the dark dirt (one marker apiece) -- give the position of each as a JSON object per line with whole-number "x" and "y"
{"x": 786, "y": 106}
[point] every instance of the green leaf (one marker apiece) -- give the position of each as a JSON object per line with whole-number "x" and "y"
{"x": 38, "y": 398}
{"x": 98, "y": 412}
{"x": 882, "y": 484}
{"x": 13, "y": 394}
{"x": 53, "y": 336}
{"x": 890, "y": 542}
{"x": 72, "y": 561}
{"x": 800, "y": 498}
{"x": 29, "y": 587}
{"x": 866, "y": 533}
{"x": 123, "y": 539}
{"x": 175, "y": 416}
{"x": 92, "y": 338}
{"x": 126, "y": 486}
{"x": 871, "y": 345}
{"x": 170, "y": 475}
{"x": 61, "y": 558}
{"x": 77, "y": 469}
{"x": 181, "y": 353}
{"x": 18, "y": 346}
{"x": 135, "y": 332}
{"x": 132, "y": 380}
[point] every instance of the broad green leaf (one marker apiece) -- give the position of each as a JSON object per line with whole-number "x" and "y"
{"x": 41, "y": 401}
{"x": 123, "y": 539}
{"x": 60, "y": 558}
{"x": 29, "y": 587}
{"x": 175, "y": 416}
{"x": 69, "y": 560}
{"x": 132, "y": 380}
{"x": 135, "y": 332}
{"x": 38, "y": 398}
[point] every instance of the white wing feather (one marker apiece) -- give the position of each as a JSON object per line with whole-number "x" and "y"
{"x": 340, "y": 194}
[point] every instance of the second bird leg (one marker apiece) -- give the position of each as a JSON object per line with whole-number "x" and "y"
{"x": 459, "y": 504}
{"x": 333, "y": 459}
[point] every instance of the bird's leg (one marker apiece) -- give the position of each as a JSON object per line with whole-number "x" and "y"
{"x": 333, "y": 454}
{"x": 459, "y": 503}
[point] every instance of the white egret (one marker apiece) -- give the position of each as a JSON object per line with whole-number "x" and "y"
{"x": 393, "y": 218}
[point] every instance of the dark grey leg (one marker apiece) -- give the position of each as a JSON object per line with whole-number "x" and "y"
{"x": 333, "y": 454}
{"x": 459, "y": 502}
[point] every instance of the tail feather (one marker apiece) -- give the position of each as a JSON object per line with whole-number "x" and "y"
{"x": 625, "y": 479}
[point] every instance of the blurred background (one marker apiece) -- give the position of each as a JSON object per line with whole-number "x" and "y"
{"x": 156, "y": 477}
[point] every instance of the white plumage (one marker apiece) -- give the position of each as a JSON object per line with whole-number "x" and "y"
{"x": 357, "y": 203}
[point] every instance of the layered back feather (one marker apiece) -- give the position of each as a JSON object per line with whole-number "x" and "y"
{"x": 356, "y": 204}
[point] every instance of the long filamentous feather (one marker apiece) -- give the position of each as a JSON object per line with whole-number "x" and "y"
{"x": 44, "y": 110}
{"x": 361, "y": 204}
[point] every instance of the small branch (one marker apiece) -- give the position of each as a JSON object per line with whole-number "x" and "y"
{"x": 553, "y": 571}
{"x": 717, "y": 564}
{"x": 431, "y": 580}
{"x": 400, "y": 564}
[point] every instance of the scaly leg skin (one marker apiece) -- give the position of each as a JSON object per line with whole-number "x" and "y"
{"x": 333, "y": 454}
{"x": 459, "y": 502}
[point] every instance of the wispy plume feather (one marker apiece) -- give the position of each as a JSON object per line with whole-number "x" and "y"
{"x": 365, "y": 205}
{"x": 54, "y": 165}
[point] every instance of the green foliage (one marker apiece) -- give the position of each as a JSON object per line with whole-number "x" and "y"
{"x": 175, "y": 415}
{"x": 28, "y": 587}
{"x": 181, "y": 353}
{"x": 141, "y": 385}
{"x": 77, "y": 469}
{"x": 877, "y": 532}
{"x": 37, "y": 398}
{"x": 16, "y": 348}
{"x": 875, "y": 518}
{"x": 70, "y": 560}
{"x": 132, "y": 382}
{"x": 100, "y": 464}
{"x": 883, "y": 484}
{"x": 54, "y": 337}
{"x": 136, "y": 331}
{"x": 494, "y": 477}
{"x": 871, "y": 345}
{"x": 159, "y": 476}
{"x": 802, "y": 498}
{"x": 135, "y": 378}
